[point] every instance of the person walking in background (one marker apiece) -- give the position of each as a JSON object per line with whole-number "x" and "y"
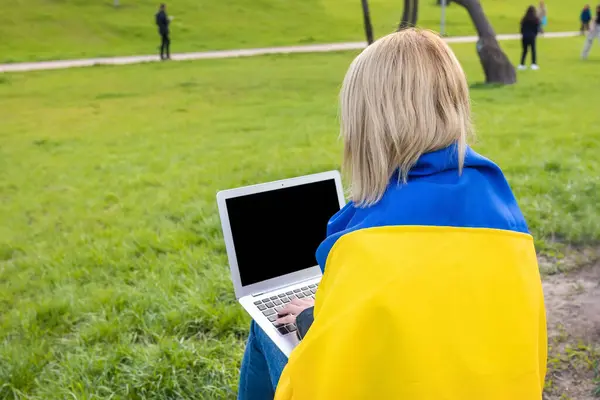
{"x": 586, "y": 17}
{"x": 162, "y": 21}
{"x": 542, "y": 14}
{"x": 530, "y": 27}
{"x": 594, "y": 33}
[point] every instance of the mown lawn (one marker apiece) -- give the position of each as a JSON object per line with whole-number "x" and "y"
{"x": 54, "y": 29}
{"x": 113, "y": 276}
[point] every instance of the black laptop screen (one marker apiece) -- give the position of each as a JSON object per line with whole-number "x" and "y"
{"x": 277, "y": 232}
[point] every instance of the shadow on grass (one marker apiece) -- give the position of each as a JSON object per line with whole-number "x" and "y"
{"x": 115, "y": 95}
{"x": 486, "y": 86}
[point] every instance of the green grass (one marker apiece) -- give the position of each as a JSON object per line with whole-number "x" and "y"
{"x": 54, "y": 29}
{"x": 113, "y": 275}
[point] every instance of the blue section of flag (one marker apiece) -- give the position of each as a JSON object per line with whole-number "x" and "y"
{"x": 436, "y": 195}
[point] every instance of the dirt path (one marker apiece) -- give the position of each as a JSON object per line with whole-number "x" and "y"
{"x": 573, "y": 312}
{"x": 313, "y": 48}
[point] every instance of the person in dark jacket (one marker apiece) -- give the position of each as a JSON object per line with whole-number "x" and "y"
{"x": 162, "y": 21}
{"x": 586, "y": 17}
{"x": 530, "y": 27}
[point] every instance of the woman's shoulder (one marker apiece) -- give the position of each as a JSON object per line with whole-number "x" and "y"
{"x": 436, "y": 194}
{"x": 479, "y": 196}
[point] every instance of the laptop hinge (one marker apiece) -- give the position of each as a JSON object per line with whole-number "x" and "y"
{"x": 279, "y": 287}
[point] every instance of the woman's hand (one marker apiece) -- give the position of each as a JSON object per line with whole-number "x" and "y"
{"x": 291, "y": 310}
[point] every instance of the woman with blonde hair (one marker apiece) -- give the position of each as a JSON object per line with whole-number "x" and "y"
{"x": 431, "y": 288}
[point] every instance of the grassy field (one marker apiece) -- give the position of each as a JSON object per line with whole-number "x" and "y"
{"x": 113, "y": 276}
{"x": 53, "y": 29}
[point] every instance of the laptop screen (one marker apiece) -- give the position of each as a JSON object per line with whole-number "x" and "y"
{"x": 277, "y": 232}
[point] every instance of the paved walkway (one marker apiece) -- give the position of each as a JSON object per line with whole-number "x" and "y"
{"x": 315, "y": 48}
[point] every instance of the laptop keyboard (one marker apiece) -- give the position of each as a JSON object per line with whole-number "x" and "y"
{"x": 271, "y": 306}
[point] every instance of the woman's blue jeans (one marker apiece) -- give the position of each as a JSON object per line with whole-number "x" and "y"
{"x": 261, "y": 367}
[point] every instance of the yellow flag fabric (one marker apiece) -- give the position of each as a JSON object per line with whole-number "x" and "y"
{"x": 424, "y": 313}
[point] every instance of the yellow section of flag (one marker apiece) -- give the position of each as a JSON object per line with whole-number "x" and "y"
{"x": 424, "y": 313}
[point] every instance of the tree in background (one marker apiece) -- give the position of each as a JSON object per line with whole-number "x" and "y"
{"x": 367, "y": 21}
{"x": 409, "y": 15}
{"x": 496, "y": 65}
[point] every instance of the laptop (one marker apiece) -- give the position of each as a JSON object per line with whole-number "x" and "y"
{"x": 271, "y": 233}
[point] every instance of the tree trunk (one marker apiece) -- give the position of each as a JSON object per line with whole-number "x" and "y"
{"x": 367, "y": 22}
{"x": 496, "y": 65}
{"x": 409, "y": 15}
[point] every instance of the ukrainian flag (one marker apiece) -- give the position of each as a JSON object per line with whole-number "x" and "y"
{"x": 432, "y": 294}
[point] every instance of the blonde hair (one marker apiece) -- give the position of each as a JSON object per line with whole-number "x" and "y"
{"x": 403, "y": 96}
